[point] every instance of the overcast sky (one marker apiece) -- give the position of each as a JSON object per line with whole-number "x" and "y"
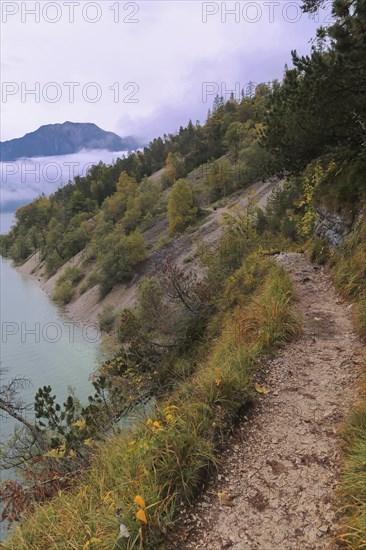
{"x": 138, "y": 67}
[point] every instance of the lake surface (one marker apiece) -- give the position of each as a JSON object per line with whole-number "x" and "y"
{"x": 39, "y": 343}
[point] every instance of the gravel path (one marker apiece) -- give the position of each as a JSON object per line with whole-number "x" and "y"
{"x": 276, "y": 486}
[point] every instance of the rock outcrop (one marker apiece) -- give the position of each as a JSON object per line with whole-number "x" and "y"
{"x": 333, "y": 226}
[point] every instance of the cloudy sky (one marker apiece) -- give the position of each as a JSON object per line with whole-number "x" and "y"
{"x": 140, "y": 68}
{"x": 135, "y": 68}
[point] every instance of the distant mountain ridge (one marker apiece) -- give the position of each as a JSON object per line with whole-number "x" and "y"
{"x": 64, "y": 139}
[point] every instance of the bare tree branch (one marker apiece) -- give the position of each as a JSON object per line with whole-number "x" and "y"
{"x": 14, "y": 407}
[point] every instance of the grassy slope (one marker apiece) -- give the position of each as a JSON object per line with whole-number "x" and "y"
{"x": 353, "y": 525}
{"x": 349, "y": 274}
{"x": 166, "y": 459}
{"x": 347, "y": 269}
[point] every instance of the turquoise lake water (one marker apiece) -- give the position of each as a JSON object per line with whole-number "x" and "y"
{"x": 39, "y": 343}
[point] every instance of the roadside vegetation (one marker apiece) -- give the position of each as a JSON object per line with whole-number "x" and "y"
{"x": 347, "y": 268}
{"x": 353, "y": 523}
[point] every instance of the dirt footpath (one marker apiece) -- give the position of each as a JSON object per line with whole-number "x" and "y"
{"x": 276, "y": 487}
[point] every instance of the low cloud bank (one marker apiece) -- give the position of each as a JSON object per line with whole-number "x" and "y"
{"x": 25, "y": 179}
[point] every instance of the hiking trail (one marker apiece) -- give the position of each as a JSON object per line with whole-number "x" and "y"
{"x": 276, "y": 487}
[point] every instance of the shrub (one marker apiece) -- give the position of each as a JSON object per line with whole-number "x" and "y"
{"x": 72, "y": 274}
{"x": 65, "y": 286}
{"x": 53, "y": 263}
{"x": 181, "y": 210}
{"x": 107, "y": 318}
{"x": 119, "y": 255}
{"x": 318, "y": 250}
{"x": 150, "y": 303}
{"x": 63, "y": 293}
{"x": 289, "y": 228}
{"x": 89, "y": 282}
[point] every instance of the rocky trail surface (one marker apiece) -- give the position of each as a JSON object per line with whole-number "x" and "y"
{"x": 276, "y": 487}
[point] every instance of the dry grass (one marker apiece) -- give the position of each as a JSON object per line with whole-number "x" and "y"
{"x": 348, "y": 270}
{"x": 353, "y": 525}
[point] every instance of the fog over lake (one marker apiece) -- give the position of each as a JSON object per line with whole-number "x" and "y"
{"x": 26, "y": 179}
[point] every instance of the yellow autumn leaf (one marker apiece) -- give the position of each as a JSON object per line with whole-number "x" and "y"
{"x": 140, "y": 501}
{"x": 62, "y": 448}
{"x": 81, "y": 424}
{"x": 89, "y": 442}
{"x": 59, "y": 452}
{"x": 261, "y": 389}
{"x": 53, "y": 453}
{"x": 140, "y": 514}
{"x": 72, "y": 454}
{"x": 95, "y": 540}
{"x": 217, "y": 381}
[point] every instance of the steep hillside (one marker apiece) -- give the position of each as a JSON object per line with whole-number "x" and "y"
{"x": 85, "y": 307}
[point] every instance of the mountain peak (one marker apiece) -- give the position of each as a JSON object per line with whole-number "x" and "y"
{"x": 64, "y": 139}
